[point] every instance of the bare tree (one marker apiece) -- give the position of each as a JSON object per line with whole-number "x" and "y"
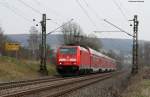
{"x": 73, "y": 35}
{"x": 92, "y": 41}
{"x": 1, "y": 36}
{"x": 34, "y": 42}
{"x": 1, "y": 40}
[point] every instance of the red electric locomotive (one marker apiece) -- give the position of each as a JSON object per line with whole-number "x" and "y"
{"x": 79, "y": 60}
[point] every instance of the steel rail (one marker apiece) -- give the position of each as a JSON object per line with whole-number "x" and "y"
{"x": 82, "y": 84}
{"x": 22, "y": 83}
{"x": 75, "y": 87}
{"x": 57, "y": 84}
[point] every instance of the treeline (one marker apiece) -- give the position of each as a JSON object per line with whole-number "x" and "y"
{"x": 72, "y": 34}
{"x": 3, "y": 40}
{"x": 30, "y": 52}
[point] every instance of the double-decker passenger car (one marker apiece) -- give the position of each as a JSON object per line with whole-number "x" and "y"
{"x": 80, "y": 60}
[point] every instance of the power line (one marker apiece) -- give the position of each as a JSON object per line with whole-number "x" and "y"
{"x": 97, "y": 13}
{"x": 85, "y": 12}
{"x": 12, "y": 10}
{"x": 60, "y": 16}
{"x": 123, "y": 7}
{"x": 59, "y": 27}
{"x": 51, "y": 10}
{"x": 118, "y": 28}
{"x": 107, "y": 31}
{"x": 120, "y": 9}
{"x": 92, "y": 10}
{"x": 27, "y": 5}
{"x": 37, "y": 2}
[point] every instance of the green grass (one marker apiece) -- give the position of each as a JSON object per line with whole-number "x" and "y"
{"x": 14, "y": 69}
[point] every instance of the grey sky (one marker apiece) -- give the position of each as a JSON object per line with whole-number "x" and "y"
{"x": 63, "y": 10}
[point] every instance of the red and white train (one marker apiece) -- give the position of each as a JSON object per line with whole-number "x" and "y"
{"x": 79, "y": 60}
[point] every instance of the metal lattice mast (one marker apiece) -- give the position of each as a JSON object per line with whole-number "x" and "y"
{"x": 43, "y": 68}
{"x": 135, "y": 45}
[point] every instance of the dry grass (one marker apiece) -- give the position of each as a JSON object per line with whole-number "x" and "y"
{"x": 13, "y": 69}
{"x": 138, "y": 87}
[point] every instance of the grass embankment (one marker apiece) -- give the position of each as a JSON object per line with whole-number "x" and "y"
{"x": 13, "y": 69}
{"x": 139, "y": 87}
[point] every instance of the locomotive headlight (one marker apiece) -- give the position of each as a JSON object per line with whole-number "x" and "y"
{"x": 74, "y": 63}
{"x": 60, "y": 63}
{"x": 62, "y": 59}
{"x": 73, "y": 60}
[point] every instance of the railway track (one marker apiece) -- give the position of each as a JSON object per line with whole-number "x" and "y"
{"x": 79, "y": 84}
{"x": 51, "y": 87}
{"x": 14, "y": 84}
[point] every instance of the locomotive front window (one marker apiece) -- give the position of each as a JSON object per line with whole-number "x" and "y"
{"x": 67, "y": 50}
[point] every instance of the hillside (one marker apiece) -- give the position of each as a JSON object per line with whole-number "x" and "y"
{"x": 121, "y": 45}
{"x": 13, "y": 69}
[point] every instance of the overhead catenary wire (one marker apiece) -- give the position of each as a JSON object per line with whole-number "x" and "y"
{"x": 99, "y": 17}
{"x": 15, "y": 12}
{"x": 85, "y": 12}
{"x": 123, "y": 7}
{"x": 43, "y": 5}
{"x": 37, "y": 2}
{"x": 118, "y": 27}
{"x": 29, "y": 6}
{"x": 107, "y": 31}
{"x": 93, "y": 11}
{"x": 51, "y": 11}
{"x": 35, "y": 10}
{"x": 121, "y": 11}
{"x": 60, "y": 26}
{"x": 96, "y": 14}
{"x": 13, "y": 9}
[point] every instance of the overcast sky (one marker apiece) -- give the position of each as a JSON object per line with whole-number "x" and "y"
{"x": 16, "y": 15}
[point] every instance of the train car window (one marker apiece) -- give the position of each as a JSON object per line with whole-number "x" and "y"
{"x": 68, "y": 50}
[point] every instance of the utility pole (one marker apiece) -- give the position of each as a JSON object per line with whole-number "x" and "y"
{"x": 135, "y": 45}
{"x": 43, "y": 47}
{"x": 135, "y": 64}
